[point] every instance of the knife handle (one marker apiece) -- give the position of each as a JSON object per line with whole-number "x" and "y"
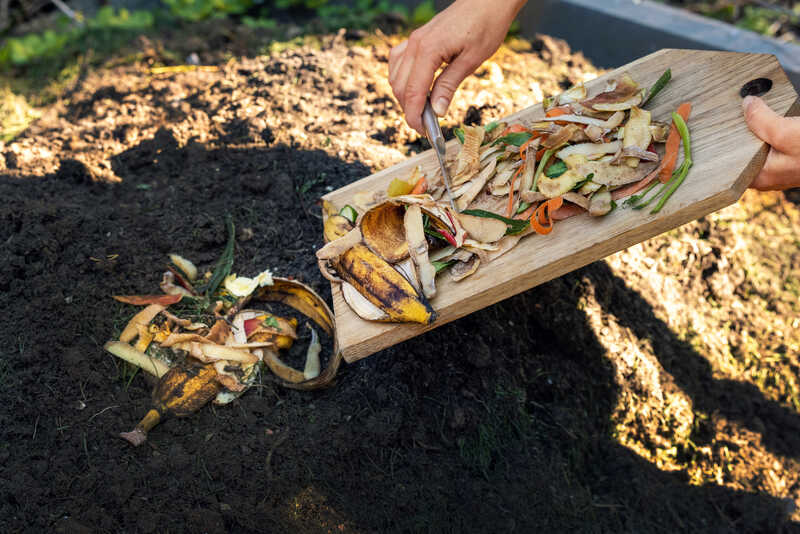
{"x": 432, "y": 128}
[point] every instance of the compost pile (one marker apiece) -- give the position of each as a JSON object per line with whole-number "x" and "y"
{"x": 655, "y": 391}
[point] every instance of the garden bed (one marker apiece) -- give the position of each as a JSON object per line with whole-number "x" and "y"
{"x": 655, "y": 391}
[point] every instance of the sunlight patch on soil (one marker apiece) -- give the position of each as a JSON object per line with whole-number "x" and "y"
{"x": 727, "y": 286}
{"x": 15, "y": 114}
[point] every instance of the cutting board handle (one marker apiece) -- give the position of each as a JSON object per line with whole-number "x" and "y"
{"x": 757, "y": 87}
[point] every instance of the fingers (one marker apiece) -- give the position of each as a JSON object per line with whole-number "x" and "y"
{"x": 782, "y": 168}
{"x": 781, "y": 133}
{"x": 410, "y": 75}
{"x": 416, "y": 92}
{"x": 402, "y": 70}
{"x": 448, "y": 81}
{"x": 781, "y": 171}
{"x": 395, "y": 57}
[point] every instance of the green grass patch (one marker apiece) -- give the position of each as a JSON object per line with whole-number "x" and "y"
{"x": 127, "y": 372}
{"x": 505, "y": 422}
{"x": 195, "y": 10}
{"x": 758, "y": 18}
{"x": 39, "y": 67}
{"x": 108, "y": 27}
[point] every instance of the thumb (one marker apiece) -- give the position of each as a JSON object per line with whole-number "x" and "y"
{"x": 765, "y": 123}
{"x": 448, "y": 81}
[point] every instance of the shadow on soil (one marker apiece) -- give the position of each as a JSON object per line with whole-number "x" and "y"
{"x": 560, "y": 468}
{"x": 731, "y": 399}
{"x": 498, "y": 422}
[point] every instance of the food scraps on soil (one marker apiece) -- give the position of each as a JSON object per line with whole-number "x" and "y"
{"x": 509, "y": 181}
{"x": 202, "y": 342}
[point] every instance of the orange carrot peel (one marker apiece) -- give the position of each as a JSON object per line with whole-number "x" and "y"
{"x": 420, "y": 187}
{"x": 514, "y": 128}
{"x": 673, "y": 144}
{"x": 542, "y": 221}
{"x": 523, "y": 150}
{"x": 557, "y": 112}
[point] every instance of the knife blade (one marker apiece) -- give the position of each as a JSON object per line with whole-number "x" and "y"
{"x": 436, "y": 139}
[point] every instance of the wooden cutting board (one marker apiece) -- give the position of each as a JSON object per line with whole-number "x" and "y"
{"x": 727, "y": 156}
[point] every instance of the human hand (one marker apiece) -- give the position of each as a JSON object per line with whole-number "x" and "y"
{"x": 782, "y": 168}
{"x": 462, "y": 36}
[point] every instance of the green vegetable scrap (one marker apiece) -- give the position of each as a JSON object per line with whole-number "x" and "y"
{"x": 678, "y": 175}
{"x": 442, "y": 265}
{"x": 225, "y": 262}
{"x": 516, "y": 139}
{"x": 349, "y": 213}
{"x": 658, "y": 86}
{"x": 515, "y": 226}
{"x": 540, "y": 168}
{"x": 272, "y": 322}
{"x": 491, "y": 126}
{"x": 556, "y": 169}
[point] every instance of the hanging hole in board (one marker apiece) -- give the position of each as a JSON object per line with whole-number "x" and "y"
{"x": 757, "y": 87}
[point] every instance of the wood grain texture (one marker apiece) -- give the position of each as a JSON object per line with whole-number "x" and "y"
{"x": 726, "y": 155}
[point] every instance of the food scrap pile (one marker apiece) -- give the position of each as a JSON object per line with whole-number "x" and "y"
{"x": 202, "y": 342}
{"x": 385, "y": 248}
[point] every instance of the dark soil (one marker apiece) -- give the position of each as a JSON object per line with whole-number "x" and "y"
{"x": 625, "y": 397}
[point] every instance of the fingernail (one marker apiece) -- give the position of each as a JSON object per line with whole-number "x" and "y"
{"x": 440, "y": 106}
{"x": 748, "y": 101}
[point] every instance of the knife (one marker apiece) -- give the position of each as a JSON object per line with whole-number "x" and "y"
{"x": 436, "y": 139}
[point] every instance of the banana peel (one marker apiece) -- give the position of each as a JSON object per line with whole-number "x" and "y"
{"x": 383, "y": 232}
{"x": 365, "y": 258}
{"x": 305, "y": 300}
{"x": 336, "y": 226}
{"x": 383, "y": 286}
{"x": 180, "y": 392}
{"x": 183, "y": 389}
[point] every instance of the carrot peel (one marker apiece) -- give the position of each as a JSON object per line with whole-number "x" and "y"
{"x": 557, "y": 112}
{"x": 673, "y": 144}
{"x": 420, "y": 187}
{"x": 514, "y": 128}
{"x": 542, "y": 221}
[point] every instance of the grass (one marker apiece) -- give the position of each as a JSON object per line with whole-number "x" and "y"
{"x": 127, "y": 372}
{"x": 505, "y": 421}
{"x": 779, "y": 21}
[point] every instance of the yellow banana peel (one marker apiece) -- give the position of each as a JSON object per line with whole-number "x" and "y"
{"x": 383, "y": 286}
{"x": 180, "y": 392}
